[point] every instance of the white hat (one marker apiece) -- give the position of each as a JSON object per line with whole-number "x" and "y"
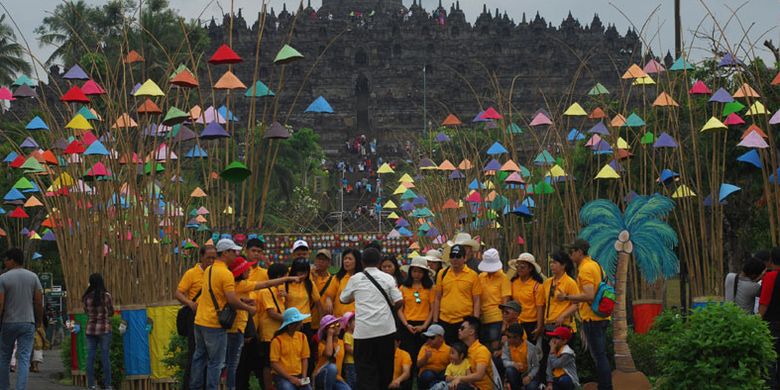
{"x": 300, "y": 244}
{"x": 421, "y": 263}
{"x": 465, "y": 240}
{"x": 490, "y": 261}
{"x": 433, "y": 255}
{"x": 227, "y": 244}
{"x": 528, "y": 258}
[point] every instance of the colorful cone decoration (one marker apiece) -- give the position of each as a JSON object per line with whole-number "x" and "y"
{"x": 320, "y": 105}
{"x": 607, "y": 172}
{"x": 175, "y": 116}
{"x": 575, "y": 110}
{"x": 224, "y": 55}
{"x": 451, "y": 120}
{"x": 185, "y": 79}
{"x": 286, "y": 55}
{"x": 277, "y": 131}
{"x": 132, "y": 57}
{"x": 149, "y": 107}
{"x": 683, "y": 192}
{"x": 75, "y": 73}
{"x": 235, "y": 172}
{"x": 149, "y": 88}
{"x": 259, "y": 90}
{"x": 229, "y": 81}
{"x": 74, "y": 95}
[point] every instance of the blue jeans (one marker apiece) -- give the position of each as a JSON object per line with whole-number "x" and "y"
{"x": 515, "y": 379}
{"x": 234, "y": 343}
{"x": 427, "y": 378}
{"x": 596, "y": 333}
{"x": 21, "y": 333}
{"x": 327, "y": 379}
{"x": 209, "y": 356}
{"x": 563, "y": 383}
{"x": 283, "y": 384}
{"x": 349, "y": 374}
{"x": 104, "y": 340}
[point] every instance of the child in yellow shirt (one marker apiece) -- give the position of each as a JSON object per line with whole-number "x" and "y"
{"x": 459, "y": 365}
{"x": 348, "y": 325}
{"x": 402, "y": 368}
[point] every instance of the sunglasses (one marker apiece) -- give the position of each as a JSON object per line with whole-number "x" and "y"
{"x": 417, "y": 297}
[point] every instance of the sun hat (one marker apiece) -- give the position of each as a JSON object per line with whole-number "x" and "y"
{"x": 323, "y": 252}
{"x": 300, "y": 244}
{"x": 511, "y": 305}
{"x": 491, "y": 262}
{"x": 525, "y": 257}
{"x": 227, "y": 244}
{"x": 434, "y": 255}
{"x": 434, "y": 330}
{"x": 291, "y": 316}
{"x": 422, "y": 263}
{"x": 561, "y": 332}
{"x": 240, "y": 265}
{"x": 464, "y": 239}
{"x": 346, "y": 317}
{"x": 325, "y": 322}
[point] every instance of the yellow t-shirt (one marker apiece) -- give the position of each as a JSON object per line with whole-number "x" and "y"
{"x": 479, "y": 354}
{"x": 558, "y": 371}
{"x": 461, "y": 369}
{"x": 494, "y": 288}
{"x": 298, "y": 297}
{"x": 589, "y": 273}
{"x": 258, "y": 274}
{"x": 400, "y": 360}
{"x": 519, "y": 354}
{"x": 440, "y": 358}
{"x": 244, "y": 289}
{"x": 566, "y": 285}
{"x": 349, "y": 358}
{"x": 322, "y": 359}
{"x": 191, "y": 282}
{"x": 530, "y": 295}
{"x": 267, "y": 326}
{"x": 335, "y": 292}
{"x": 318, "y": 282}
{"x": 414, "y": 310}
{"x": 288, "y": 351}
{"x": 458, "y": 290}
{"x": 222, "y": 281}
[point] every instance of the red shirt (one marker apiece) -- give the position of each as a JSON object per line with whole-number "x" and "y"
{"x": 767, "y": 287}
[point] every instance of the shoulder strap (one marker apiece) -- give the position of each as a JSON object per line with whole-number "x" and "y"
{"x": 195, "y": 298}
{"x": 327, "y": 284}
{"x": 213, "y": 298}
{"x": 444, "y": 274}
{"x": 273, "y": 296}
{"x": 379, "y": 287}
{"x": 549, "y": 299}
{"x": 736, "y": 281}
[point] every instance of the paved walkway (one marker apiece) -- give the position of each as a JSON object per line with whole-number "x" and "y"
{"x": 48, "y": 377}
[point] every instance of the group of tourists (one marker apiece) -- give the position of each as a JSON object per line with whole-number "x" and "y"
{"x": 455, "y": 318}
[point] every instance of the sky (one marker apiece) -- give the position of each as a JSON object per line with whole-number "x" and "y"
{"x": 653, "y": 18}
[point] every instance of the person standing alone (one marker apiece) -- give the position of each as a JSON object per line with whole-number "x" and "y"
{"x": 99, "y": 308}
{"x": 21, "y": 307}
{"x": 376, "y": 297}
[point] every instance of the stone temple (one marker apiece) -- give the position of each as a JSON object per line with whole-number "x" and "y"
{"x": 366, "y": 57}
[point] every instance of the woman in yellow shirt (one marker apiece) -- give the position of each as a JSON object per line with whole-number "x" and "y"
{"x": 330, "y": 356}
{"x": 290, "y": 353}
{"x": 557, "y": 313}
{"x": 303, "y": 296}
{"x": 419, "y": 296}
{"x": 350, "y": 265}
{"x": 496, "y": 290}
{"x": 527, "y": 290}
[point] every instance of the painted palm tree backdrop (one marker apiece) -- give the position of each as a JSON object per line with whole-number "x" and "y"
{"x": 614, "y": 236}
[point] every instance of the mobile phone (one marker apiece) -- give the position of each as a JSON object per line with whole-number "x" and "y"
{"x": 305, "y": 381}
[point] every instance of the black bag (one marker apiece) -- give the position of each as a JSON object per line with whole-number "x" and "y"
{"x": 227, "y": 315}
{"x": 185, "y": 318}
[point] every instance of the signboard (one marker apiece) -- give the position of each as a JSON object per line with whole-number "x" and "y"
{"x": 46, "y": 279}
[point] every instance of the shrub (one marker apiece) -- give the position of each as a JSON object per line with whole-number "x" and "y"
{"x": 645, "y": 347}
{"x": 718, "y": 347}
{"x": 176, "y": 357}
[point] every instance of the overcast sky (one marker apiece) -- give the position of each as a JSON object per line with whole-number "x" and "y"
{"x": 759, "y": 17}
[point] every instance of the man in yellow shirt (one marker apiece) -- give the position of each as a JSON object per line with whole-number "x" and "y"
{"x": 250, "y": 353}
{"x": 457, "y": 294}
{"x": 479, "y": 356}
{"x": 433, "y": 358}
{"x": 210, "y": 337}
{"x": 589, "y": 276}
{"x": 188, "y": 292}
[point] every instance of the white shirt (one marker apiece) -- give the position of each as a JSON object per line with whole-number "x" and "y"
{"x": 373, "y": 317}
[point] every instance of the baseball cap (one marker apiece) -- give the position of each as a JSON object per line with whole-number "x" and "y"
{"x": 561, "y": 332}
{"x": 579, "y": 244}
{"x": 240, "y": 265}
{"x": 325, "y": 253}
{"x": 457, "y": 252}
{"x": 511, "y": 305}
{"x": 227, "y": 244}
{"x": 300, "y": 244}
{"x": 434, "y": 330}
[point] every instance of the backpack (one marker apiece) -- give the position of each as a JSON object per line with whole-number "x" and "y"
{"x": 604, "y": 302}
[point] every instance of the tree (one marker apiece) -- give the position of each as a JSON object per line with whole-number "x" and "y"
{"x": 615, "y": 236}
{"x": 69, "y": 27}
{"x": 11, "y": 53}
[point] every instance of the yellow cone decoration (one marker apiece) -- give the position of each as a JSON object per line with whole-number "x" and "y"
{"x": 406, "y": 179}
{"x": 713, "y": 124}
{"x": 149, "y": 88}
{"x": 79, "y": 123}
{"x": 389, "y": 205}
{"x": 756, "y": 109}
{"x": 683, "y": 192}
{"x": 575, "y": 110}
{"x": 607, "y": 173}
{"x": 385, "y": 168}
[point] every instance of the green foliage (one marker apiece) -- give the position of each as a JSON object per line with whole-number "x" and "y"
{"x": 65, "y": 354}
{"x": 718, "y": 347}
{"x": 12, "y": 59}
{"x": 176, "y": 357}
